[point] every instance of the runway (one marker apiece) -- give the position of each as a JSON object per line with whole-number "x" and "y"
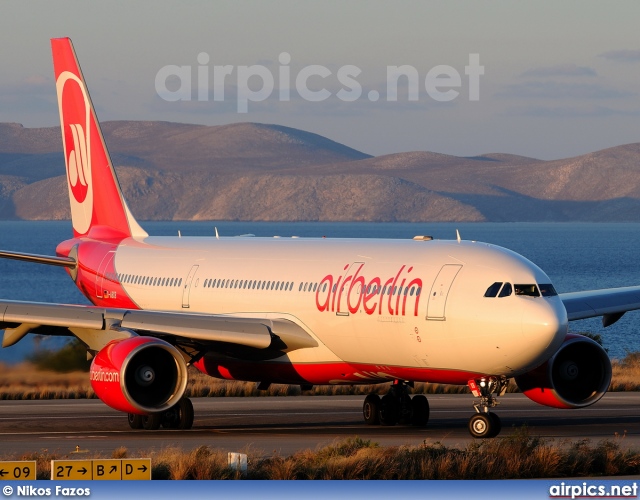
{"x": 285, "y": 425}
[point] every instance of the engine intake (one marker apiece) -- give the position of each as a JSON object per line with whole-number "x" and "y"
{"x": 139, "y": 375}
{"x": 577, "y": 375}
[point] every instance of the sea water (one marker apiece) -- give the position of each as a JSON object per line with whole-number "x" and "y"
{"x": 576, "y": 256}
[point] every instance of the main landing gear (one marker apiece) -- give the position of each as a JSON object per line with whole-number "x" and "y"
{"x": 485, "y": 424}
{"x": 179, "y": 416}
{"x": 396, "y": 407}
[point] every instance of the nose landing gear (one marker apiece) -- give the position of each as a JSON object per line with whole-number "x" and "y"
{"x": 396, "y": 407}
{"x": 485, "y": 424}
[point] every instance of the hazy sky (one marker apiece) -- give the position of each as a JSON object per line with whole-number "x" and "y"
{"x": 560, "y": 78}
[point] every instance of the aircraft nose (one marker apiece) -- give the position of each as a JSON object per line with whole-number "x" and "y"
{"x": 544, "y": 327}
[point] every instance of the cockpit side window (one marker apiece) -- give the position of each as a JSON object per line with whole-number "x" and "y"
{"x": 527, "y": 290}
{"x": 506, "y": 290}
{"x": 547, "y": 290}
{"x": 493, "y": 290}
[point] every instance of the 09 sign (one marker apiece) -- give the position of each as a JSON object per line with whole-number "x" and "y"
{"x": 21, "y": 470}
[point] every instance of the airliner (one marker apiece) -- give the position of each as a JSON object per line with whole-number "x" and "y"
{"x": 300, "y": 311}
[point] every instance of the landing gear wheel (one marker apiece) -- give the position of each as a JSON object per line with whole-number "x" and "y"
{"x": 496, "y": 424}
{"x": 405, "y": 410}
{"x": 179, "y": 416}
{"x": 371, "y": 409}
{"x": 420, "y": 410}
{"x": 481, "y": 425}
{"x": 151, "y": 422}
{"x": 135, "y": 421}
{"x": 388, "y": 410}
{"x": 186, "y": 414}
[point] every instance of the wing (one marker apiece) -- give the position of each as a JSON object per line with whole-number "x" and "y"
{"x": 96, "y": 326}
{"x": 610, "y": 303}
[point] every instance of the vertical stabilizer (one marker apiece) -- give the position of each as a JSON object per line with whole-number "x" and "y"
{"x": 97, "y": 204}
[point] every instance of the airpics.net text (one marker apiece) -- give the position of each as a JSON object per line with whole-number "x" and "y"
{"x": 311, "y": 83}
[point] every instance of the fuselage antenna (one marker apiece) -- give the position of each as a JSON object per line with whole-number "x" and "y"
{"x": 458, "y": 236}
{"x": 217, "y": 235}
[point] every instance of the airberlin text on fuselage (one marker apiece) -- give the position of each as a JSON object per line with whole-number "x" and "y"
{"x": 374, "y": 295}
{"x": 103, "y": 376}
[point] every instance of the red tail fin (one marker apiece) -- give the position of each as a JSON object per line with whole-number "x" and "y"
{"x": 97, "y": 204}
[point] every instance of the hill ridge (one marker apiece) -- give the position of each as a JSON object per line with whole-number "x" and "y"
{"x": 258, "y": 171}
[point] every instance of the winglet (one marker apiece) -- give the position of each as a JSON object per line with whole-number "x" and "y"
{"x": 94, "y": 193}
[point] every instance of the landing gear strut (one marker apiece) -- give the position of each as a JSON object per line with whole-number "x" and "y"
{"x": 485, "y": 424}
{"x": 396, "y": 407}
{"x": 179, "y": 416}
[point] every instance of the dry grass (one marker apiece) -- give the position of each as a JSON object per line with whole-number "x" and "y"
{"x": 519, "y": 456}
{"x": 626, "y": 373}
{"x": 23, "y": 381}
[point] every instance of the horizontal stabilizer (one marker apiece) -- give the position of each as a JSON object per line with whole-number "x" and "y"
{"x": 40, "y": 259}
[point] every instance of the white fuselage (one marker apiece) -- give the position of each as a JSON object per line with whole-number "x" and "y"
{"x": 406, "y": 303}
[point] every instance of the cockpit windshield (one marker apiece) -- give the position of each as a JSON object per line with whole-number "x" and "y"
{"x": 493, "y": 290}
{"x": 547, "y": 290}
{"x": 501, "y": 289}
{"x": 528, "y": 290}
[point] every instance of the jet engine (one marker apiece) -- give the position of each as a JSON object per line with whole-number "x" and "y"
{"x": 577, "y": 375}
{"x": 139, "y": 375}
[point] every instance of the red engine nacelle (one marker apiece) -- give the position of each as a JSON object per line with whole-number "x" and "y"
{"x": 139, "y": 375}
{"x": 576, "y": 376}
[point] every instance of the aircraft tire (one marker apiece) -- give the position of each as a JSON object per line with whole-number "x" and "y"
{"x": 186, "y": 414}
{"x": 388, "y": 410}
{"x": 420, "y": 411}
{"x": 497, "y": 424}
{"x": 481, "y": 425}
{"x": 371, "y": 409}
{"x": 135, "y": 421}
{"x": 151, "y": 422}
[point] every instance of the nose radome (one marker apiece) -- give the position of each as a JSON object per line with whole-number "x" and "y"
{"x": 544, "y": 326}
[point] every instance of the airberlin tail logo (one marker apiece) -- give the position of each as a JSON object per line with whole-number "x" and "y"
{"x": 77, "y": 163}
{"x": 75, "y": 118}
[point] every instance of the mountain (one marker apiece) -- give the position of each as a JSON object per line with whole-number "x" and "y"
{"x": 252, "y": 171}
